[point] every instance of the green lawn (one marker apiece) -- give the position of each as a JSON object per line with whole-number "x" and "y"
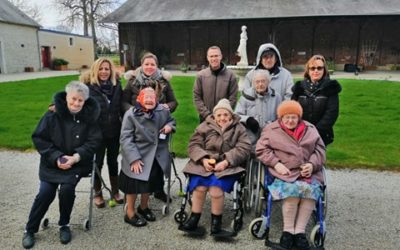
{"x": 366, "y": 132}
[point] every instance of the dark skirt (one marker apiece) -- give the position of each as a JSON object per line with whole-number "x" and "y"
{"x": 133, "y": 186}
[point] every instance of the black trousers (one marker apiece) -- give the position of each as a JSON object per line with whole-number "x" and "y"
{"x": 111, "y": 147}
{"x": 46, "y": 195}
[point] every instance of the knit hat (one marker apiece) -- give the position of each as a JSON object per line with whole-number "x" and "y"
{"x": 140, "y": 97}
{"x": 223, "y": 104}
{"x": 289, "y": 107}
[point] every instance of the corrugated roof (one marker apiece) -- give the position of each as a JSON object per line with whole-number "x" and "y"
{"x": 11, "y": 14}
{"x": 134, "y": 11}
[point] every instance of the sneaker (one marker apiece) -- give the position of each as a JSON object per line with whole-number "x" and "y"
{"x": 65, "y": 234}
{"x": 162, "y": 196}
{"x": 28, "y": 240}
{"x": 286, "y": 241}
{"x": 301, "y": 242}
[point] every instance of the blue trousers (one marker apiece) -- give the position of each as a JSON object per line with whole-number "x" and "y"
{"x": 46, "y": 195}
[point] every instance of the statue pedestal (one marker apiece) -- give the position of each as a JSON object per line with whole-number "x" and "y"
{"x": 240, "y": 71}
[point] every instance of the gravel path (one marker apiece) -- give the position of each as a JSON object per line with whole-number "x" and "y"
{"x": 363, "y": 213}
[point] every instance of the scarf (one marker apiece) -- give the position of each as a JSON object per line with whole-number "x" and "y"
{"x": 297, "y": 133}
{"x": 148, "y": 81}
{"x": 107, "y": 89}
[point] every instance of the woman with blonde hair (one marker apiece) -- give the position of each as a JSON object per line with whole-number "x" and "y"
{"x": 105, "y": 87}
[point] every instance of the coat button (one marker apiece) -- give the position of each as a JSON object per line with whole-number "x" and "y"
{"x": 77, "y": 121}
{"x": 77, "y": 137}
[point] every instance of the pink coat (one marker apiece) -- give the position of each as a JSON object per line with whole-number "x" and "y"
{"x": 275, "y": 145}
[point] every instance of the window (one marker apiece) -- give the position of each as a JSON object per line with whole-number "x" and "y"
{"x": 71, "y": 41}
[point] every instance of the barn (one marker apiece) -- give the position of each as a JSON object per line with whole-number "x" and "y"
{"x": 364, "y": 33}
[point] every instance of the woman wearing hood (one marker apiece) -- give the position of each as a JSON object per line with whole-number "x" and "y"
{"x": 269, "y": 58}
{"x": 319, "y": 97}
{"x": 66, "y": 140}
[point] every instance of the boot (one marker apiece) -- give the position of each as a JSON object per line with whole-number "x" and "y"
{"x": 301, "y": 242}
{"x": 191, "y": 223}
{"x": 98, "y": 196}
{"x": 286, "y": 241}
{"x": 216, "y": 222}
{"x": 114, "y": 190}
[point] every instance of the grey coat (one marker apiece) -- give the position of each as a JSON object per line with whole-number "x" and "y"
{"x": 209, "y": 141}
{"x": 140, "y": 140}
{"x": 282, "y": 82}
{"x": 260, "y": 107}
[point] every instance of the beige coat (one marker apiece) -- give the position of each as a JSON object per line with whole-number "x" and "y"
{"x": 276, "y": 145}
{"x": 208, "y": 141}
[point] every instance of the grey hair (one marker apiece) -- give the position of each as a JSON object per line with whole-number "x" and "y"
{"x": 78, "y": 87}
{"x": 262, "y": 72}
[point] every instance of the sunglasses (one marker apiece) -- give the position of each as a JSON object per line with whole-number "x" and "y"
{"x": 319, "y": 68}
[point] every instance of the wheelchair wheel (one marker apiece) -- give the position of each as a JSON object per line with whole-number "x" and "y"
{"x": 45, "y": 223}
{"x": 255, "y": 227}
{"x": 316, "y": 238}
{"x": 165, "y": 210}
{"x": 180, "y": 216}
{"x": 237, "y": 225}
{"x": 259, "y": 192}
{"x": 86, "y": 225}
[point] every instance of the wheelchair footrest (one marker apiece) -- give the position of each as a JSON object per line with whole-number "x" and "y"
{"x": 199, "y": 231}
{"x": 224, "y": 234}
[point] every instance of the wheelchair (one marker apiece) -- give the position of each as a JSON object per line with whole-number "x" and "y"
{"x": 252, "y": 190}
{"x": 180, "y": 215}
{"x": 259, "y": 228}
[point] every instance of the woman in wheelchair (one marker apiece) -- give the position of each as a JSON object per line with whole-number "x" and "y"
{"x": 218, "y": 151}
{"x": 295, "y": 154}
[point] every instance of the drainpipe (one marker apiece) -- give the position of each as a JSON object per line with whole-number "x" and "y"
{"x": 39, "y": 51}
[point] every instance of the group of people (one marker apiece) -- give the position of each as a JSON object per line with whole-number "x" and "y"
{"x": 96, "y": 117}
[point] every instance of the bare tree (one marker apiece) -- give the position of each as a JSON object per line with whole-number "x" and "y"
{"x": 32, "y": 10}
{"x": 87, "y": 13}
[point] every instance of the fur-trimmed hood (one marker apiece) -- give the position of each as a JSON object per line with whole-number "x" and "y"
{"x": 89, "y": 113}
{"x": 134, "y": 73}
{"x": 327, "y": 87}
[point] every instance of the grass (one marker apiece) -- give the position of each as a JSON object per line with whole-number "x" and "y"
{"x": 366, "y": 133}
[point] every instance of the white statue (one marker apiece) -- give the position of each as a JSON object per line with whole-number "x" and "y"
{"x": 242, "y": 48}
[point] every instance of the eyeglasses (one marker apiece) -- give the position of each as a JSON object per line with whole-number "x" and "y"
{"x": 319, "y": 68}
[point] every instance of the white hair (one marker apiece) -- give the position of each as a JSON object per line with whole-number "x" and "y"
{"x": 78, "y": 87}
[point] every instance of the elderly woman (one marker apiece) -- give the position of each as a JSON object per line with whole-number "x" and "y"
{"x": 66, "y": 140}
{"x": 257, "y": 105}
{"x": 294, "y": 153}
{"x": 105, "y": 87}
{"x": 319, "y": 97}
{"x": 218, "y": 151}
{"x": 148, "y": 75}
{"x": 145, "y": 155}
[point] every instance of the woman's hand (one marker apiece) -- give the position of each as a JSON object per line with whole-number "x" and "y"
{"x": 65, "y": 162}
{"x": 166, "y": 129}
{"x": 306, "y": 170}
{"x": 221, "y": 166}
{"x": 165, "y": 105}
{"x": 137, "y": 166}
{"x": 281, "y": 169}
{"x": 207, "y": 165}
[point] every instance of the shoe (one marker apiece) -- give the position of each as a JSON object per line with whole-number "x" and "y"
{"x": 136, "y": 221}
{"x": 286, "y": 241}
{"x": 191, "y": 224}
{"x": 117, "y": 197}
{"x": 146, "y": 213}
{"x": 301, "y": 242}
{"x": 28, "y": 240}
{"x": 65, "y": 234}
{"x": 99, "y": 201}
{"x": 216, "y": 223}
{"x": 162, "y": 196}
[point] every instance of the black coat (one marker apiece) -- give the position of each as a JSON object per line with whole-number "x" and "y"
{"x": 320, "y": 104}
{"x": 61, "y": 133}
{"x": 110, "y": 112}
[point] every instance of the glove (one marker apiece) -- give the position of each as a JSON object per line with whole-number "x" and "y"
{"x": 253, "y": 125}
